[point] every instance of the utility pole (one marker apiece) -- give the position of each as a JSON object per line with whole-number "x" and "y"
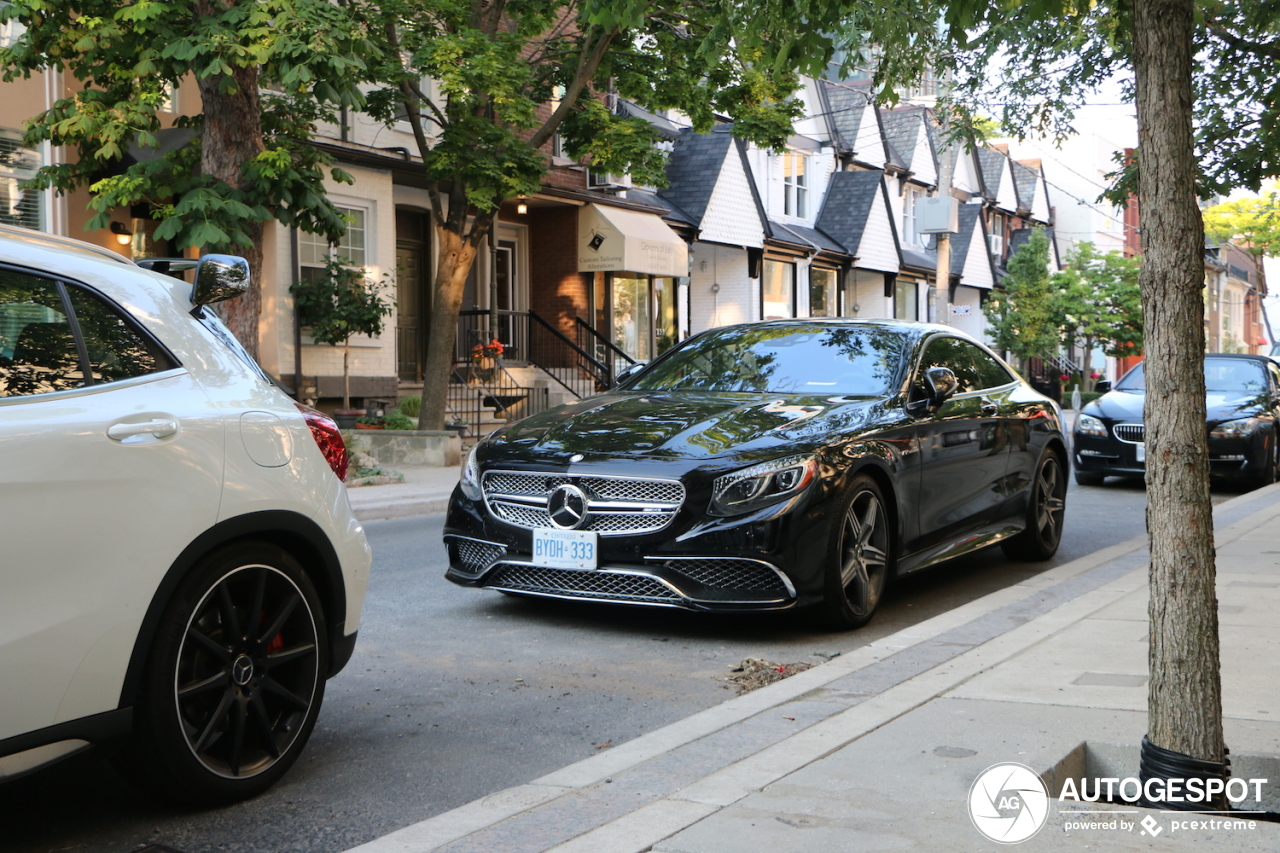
{"x": 942, "y": 288}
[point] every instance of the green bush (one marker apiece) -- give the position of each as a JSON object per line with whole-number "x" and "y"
{"x": 1088, "y": 397}
{"x": 409, "y": 406}
{"x": 399, "y": 420}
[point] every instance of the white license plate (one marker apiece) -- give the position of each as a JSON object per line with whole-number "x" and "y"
{"x": 564, "y": 549}
{"x": 1141, "y": 451}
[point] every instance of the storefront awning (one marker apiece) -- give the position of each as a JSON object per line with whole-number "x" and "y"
{"x": 611, "y": 239}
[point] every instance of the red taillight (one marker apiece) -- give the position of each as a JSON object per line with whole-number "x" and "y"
{"x": 327, "y": 436}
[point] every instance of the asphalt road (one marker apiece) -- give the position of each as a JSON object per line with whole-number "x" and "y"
{"x": 456, "y": 693}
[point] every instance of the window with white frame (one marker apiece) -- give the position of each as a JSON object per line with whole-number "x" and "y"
{"x": 11, "y": 30}
{"x": 795, "y": 184}
{"x": 314, "y": 249}
{"x": 909, "y": 198}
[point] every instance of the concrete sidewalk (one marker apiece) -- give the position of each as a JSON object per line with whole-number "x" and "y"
{"x": 425, "y": 490}
{"x": 878, "y": 749}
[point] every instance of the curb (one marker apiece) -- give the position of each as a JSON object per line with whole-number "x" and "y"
{"x": 400, "y": 509}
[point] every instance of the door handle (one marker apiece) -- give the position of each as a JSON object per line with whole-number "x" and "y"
{"x": 159, "y": 428}
{"x": 989, "y": 409}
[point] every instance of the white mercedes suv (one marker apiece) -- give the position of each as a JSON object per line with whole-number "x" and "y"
{"x": 180, "y": 570}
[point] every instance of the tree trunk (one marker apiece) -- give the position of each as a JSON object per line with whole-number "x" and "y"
{"x": 1185, "y": 696}
{"x": 230, "y": 137}
{"x": 1086, "y": 365}
{"x": 457, "y": 255}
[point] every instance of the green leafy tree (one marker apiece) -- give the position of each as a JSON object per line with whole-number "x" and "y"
{"x": 1252, "y": 223}
{"x": 338, "y": 303}
{"x": 1022, "y": 317}
{"x": 1098, "y": 301}
{"x": 1208, "y": 109}
{"x": 248, "y": 160}
{"x": 510, "y": 75}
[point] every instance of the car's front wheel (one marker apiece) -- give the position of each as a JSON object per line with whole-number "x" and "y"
{"x": 859, "y": 556}
{"x": 235, "y": 677}
{"x": 1046, "y": 509}
{"x": 1270, "y": 466}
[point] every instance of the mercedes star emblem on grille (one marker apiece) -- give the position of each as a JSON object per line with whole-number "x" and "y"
{"x": 567, "y": 507}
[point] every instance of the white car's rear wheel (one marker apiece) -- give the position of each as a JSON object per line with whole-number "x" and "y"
{"x": 235, "y": 677}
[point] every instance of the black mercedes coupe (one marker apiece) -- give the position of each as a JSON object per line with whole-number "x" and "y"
{"x": 765, "y": 466}
{"x": 1243, "y": 406}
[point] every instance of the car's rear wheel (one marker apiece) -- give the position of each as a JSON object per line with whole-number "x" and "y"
{"x": 1046, "y": 509}
{"x": 235, "y": 677}
{"x": 860, "y": 555}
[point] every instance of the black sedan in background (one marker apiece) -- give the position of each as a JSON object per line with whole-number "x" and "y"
{"x": 767, "y": 466}
{"x": 1243, "y": 405}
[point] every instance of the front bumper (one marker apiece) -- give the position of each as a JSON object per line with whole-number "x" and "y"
{"x": 771, "y": 560}
{"x": 1229, "y": 458}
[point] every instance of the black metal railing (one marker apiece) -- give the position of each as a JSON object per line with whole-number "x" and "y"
{"x": 527, "y": 337}
{"x": 602, "y": 349}
{"x": 475, "y": 389}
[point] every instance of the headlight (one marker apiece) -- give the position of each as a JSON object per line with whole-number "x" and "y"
{"x": 470, "y": 480}
{"x": 761, "y": 485}
{"x": 1236, "y": 429}
{"x": 1089, "y": 425}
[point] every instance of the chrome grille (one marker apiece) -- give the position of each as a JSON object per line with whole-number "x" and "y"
{"x": 741, "y": 575}
{"x": 1132, "y": 433}
{"x": 473, "y": 556}
{"x": 579, "y": 584}
{"x": 616, "y": 506}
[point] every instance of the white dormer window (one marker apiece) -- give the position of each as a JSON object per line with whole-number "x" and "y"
{"x": 909, "y": 198}
{"x": 795, "y": 184}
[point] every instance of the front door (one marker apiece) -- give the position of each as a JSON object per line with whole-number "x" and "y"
{"x": 411, "y": 294}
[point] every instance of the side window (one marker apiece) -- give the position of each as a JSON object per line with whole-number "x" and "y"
{"x": 952, "y": 353}
{"x": 990, "y": 372}
{"x": 37, "y": 349}
{"x": 116, "y": 350}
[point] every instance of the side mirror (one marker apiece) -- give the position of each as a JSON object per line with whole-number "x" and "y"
{"x": 628, "y": 372}
{"x": 218, "y": 278}
{"x": 1103, "y": 386}
{"x": 942, "y": 385}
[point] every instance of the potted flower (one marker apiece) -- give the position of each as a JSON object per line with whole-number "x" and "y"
{"x": 458, "y": 427}
{"x": 486, "y": 358}
{"x": 369, "y": 422}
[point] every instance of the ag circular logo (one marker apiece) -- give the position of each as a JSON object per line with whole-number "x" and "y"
{"x": 1008, "y": 803}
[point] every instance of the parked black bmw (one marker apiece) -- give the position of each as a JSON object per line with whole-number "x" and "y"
{"x": 1243, "y": 406}
{"x": 766, "y": 466}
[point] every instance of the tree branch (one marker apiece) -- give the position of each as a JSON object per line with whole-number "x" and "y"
{"x": 588, "y": 63}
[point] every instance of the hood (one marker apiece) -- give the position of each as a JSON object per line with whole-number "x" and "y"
{"x": 685, "y": 424}
{"x": 1126, "y": 406}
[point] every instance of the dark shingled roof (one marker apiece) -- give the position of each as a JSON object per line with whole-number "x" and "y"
{"x": 922, "y": 260}
{"x": 902, "y": 131}
{"x": 850, "y": 196}
{"x": 693, "y": 169}
{"x": 847, "y": 104}
{"x": 1024, "y": 182}
{"x": 824, "y": 242}
{"x": 992, "y": 164}
{"x": 964, "y": 237}
{"x": 672, "y": 212}
{"x": 785, "y": 234}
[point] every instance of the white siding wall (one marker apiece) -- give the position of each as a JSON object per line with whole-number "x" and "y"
{"x": 963, "y": 176}
{"x": 868, "y": 146}
{"x": 1007, "y": 197}
{"x": 1040, "y": 206}
{"x": 739, "y": 297}
{"x": 977, "y": 268}
{"x": 878, "y": 251}
{"x": 867, "y": 292}
{"x": 731, "y": 213}
{"x": 922, "y": 162}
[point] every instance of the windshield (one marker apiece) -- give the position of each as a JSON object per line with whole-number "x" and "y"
{"x": 790, "y": 359}
{"x": 1221, "y": 376}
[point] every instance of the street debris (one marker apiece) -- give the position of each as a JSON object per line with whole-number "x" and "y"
{"x": 827, "y": 655}
{"x": 754, "y": 673}
{"x": 606, "y": 744}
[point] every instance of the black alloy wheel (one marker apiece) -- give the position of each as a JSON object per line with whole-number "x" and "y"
{"x": 235, "y": 678}
{"x": 860, "y": 556}
{"x": 1046, "y": 509}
